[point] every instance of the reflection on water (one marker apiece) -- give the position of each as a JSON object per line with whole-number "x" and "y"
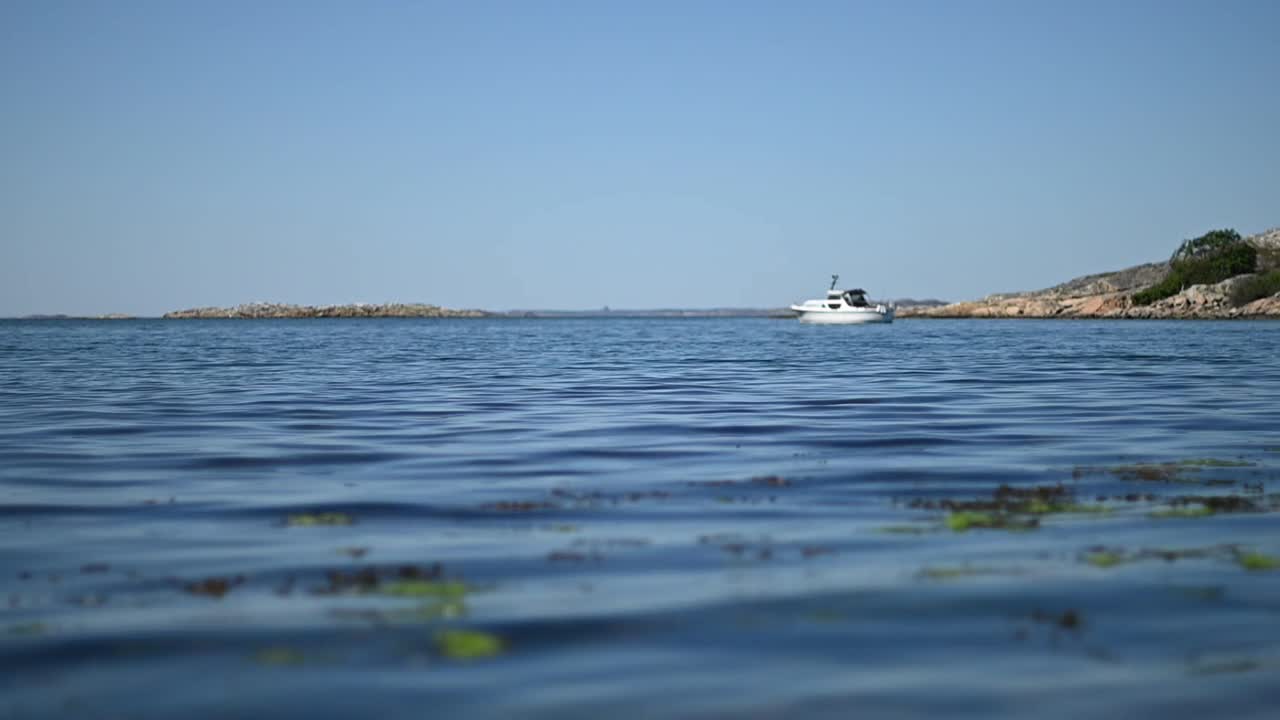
{"x": 697, "y": 518}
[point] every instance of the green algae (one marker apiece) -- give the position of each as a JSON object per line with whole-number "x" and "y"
{"x": 448, "y": 589}
{"x": 328, "y": 519}
{"x": 968, "y": 520}
{"x": 1040, "y": 507}
{"x": 468, "y": 644}
{"x": 279, "y": 657}
{"x": 1214, "y": 463}
{"x": 1104, "y": 558}
{"x": 1257, "y": 562}
{"x": 961, "y": 521}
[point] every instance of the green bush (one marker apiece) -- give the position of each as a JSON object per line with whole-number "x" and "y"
{"x": 1258, "y": 286}
{"x": 1210, "y": 242}
{"x": 1210, "y": 258}
{"x": 1170, "y": 286}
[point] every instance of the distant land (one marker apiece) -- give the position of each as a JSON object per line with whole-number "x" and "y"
{"x": 61, "y": 316}
{"x": 1216, "y": 276}
{"x": 253, "y": 311}
{"x": 264, "y": 310}
{"x": 1252, "y": 293}
{"x": 1219, "y": 275}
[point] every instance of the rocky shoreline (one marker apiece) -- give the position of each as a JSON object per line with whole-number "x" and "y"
{"x": 256, "y": 311}
{"x": 1110, "y": 295}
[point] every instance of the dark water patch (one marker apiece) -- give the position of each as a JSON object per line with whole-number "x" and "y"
{"x": 888, "y": 441}
{"x": 105, "y": 430}
{"x": 338, "y": 513}
{"x": 839, "y": 402}
{"x": 315, "y": 458}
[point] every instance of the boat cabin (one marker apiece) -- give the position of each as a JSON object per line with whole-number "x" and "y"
{"x": 853, "y": 297}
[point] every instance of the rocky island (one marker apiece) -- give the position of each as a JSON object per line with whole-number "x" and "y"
{"x": 253, "y": 311}
{"x": 1218, "y": 275}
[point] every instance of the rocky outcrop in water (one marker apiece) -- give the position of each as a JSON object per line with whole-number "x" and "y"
{"x": 1110, "y": 295}
{"x": 254, "y": 311}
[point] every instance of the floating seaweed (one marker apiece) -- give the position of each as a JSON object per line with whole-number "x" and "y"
{"x": 969, "y": 520}
{"x": 376, "y": 579}
{"x": 214, "y": 587}
{"x": 1169, "y": 471}
{"x": 1104, "y": 557}
{"x": 1215, "y": 463}
{"x": 1195, "y": 506}
{"x": 1218, "y": 503}
{"x": 1037, "y": 500}
{"x": 1164, "y": 472}
{"x": 1258, "y": 562}
{"x": 468, "y": 644}
{"x": 324, "y": 519}
{"x": 424, "y": 588}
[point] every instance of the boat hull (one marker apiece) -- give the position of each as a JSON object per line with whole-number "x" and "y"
{"x": 843, "y": 316}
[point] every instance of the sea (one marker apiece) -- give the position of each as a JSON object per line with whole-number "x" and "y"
{"x": 639, "y": 518}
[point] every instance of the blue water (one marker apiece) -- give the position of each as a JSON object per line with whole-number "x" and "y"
{"x": 644, "y": 518}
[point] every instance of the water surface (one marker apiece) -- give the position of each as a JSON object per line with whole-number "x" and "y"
{"x": 676, "y": 518}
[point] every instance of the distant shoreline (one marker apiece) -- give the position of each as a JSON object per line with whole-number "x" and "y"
{"x": 907, "y": 315}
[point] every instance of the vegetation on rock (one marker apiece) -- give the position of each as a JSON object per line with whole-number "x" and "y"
{"x": 1211, "y": 243}
{"x": 1256, "y": 287}
{"x": 1208, "y": 259}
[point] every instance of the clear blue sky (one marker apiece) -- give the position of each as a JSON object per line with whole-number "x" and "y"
{"x": 158, "y": 155}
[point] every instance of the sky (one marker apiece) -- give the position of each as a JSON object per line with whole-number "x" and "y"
{"x": 572, "y": 155}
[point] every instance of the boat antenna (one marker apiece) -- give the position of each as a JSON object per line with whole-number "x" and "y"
{"x": 834, "y": 278}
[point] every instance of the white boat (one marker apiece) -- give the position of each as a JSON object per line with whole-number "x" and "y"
{"x": 843, "y": 307}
